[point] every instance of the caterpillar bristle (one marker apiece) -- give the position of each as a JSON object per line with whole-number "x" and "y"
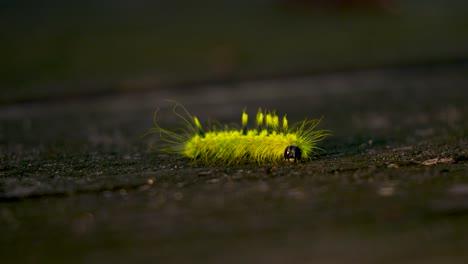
{"x": 268, "y": 143}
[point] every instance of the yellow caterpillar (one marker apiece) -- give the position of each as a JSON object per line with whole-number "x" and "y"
{"x": 269, "y": 143}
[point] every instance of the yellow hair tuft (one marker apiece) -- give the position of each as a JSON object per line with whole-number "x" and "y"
{"x": 259, "y": 118}
{"x": 275, "y": 121}
{"x": 285, "y": 123}
{"x": 245, "y": 119}
{"x": 197, "y": 123}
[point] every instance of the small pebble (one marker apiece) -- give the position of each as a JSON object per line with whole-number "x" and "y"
{"x": 386, "y": 190}
{"x": 212, "y": 181}
{"x": 435, "y": 161}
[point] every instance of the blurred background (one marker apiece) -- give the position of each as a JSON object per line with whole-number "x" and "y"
{"x": 54, "y": 49}
{"x": 80, "y": 82}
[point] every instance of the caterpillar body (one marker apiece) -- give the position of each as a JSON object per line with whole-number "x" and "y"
{"x": 268, "y": 143}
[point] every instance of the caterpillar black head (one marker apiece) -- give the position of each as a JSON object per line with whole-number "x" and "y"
{"x": 292, "y": 153}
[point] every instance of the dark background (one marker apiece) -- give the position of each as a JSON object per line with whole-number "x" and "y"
{"x": 54, "y": 48}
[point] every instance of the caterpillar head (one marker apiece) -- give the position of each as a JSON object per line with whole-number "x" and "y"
{"x": 292, "y": 153}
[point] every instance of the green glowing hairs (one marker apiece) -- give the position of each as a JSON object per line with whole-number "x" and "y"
{"x": 271, "y": 142}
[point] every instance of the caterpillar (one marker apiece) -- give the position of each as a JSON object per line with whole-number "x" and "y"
{"x": 268, "y": 143}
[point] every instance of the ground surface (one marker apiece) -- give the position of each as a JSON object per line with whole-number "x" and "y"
{"x": 79, "y": 184}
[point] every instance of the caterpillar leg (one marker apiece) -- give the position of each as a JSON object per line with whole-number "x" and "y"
{"x": 292, "y": 153}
